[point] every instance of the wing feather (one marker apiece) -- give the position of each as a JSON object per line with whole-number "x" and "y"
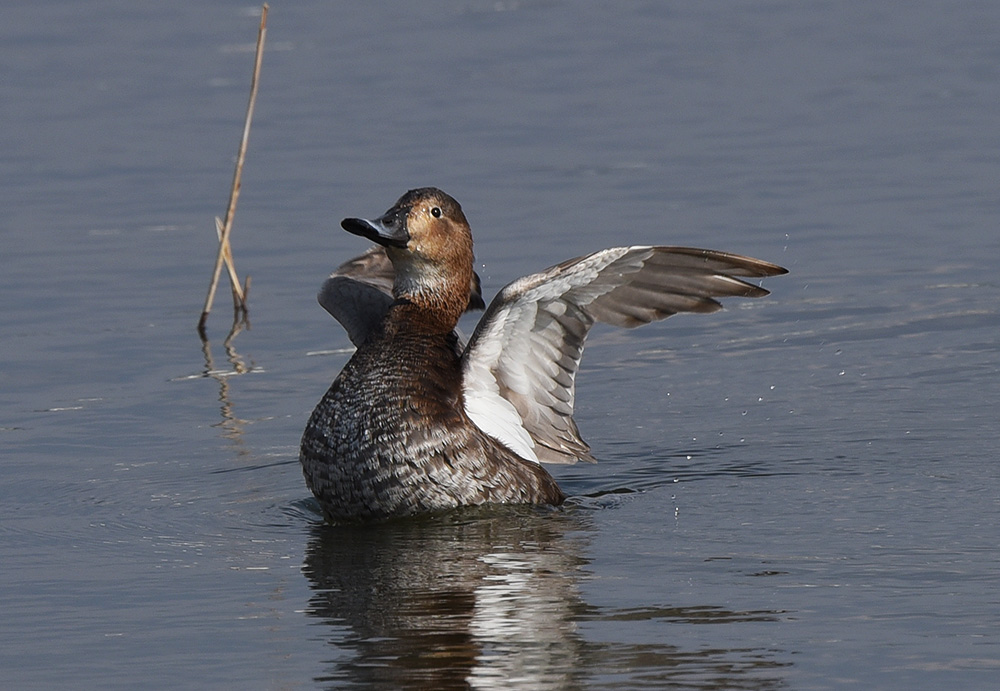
{"x": 359, "y": 292}
{"x": 520, "y": 366}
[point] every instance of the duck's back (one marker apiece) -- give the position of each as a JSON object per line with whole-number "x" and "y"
{"x": 391, "y": 436}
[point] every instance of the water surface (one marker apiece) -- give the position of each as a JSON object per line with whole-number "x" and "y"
{"x": 798, "y": 492}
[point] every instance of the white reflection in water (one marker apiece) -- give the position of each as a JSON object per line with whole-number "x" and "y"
{"x": 518, "y": 626}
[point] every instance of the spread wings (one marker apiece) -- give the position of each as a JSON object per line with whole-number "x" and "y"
{"x": 520, "y": 366}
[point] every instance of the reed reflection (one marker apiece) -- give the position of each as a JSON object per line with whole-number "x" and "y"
{"x": 232, "y": 425}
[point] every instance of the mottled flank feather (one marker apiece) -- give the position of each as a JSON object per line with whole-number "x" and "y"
{"x": 390, "y": 437}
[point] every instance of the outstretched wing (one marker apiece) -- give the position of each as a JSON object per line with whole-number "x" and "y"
{"x": 359, "y": 293}
{"x": 520, "y": 365}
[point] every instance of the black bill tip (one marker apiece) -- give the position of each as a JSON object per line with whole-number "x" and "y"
{"x": 379, "y": 232}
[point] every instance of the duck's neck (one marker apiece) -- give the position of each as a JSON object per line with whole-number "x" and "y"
{"x": 418, "y": 317}
{"x": 433, "y": 295}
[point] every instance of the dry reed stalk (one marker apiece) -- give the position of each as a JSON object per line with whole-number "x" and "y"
{"x": 224, "y": 228}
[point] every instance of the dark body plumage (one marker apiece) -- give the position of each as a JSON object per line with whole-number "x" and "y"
{"x": 389, "y": 460}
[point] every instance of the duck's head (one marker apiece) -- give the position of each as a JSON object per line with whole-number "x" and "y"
{"x": 428, "y": 240}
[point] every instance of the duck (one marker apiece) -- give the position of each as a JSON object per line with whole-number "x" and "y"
{"x": 421, "y": 420}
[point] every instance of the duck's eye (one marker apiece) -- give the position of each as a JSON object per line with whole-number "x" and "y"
{"x": 436, "y": 212}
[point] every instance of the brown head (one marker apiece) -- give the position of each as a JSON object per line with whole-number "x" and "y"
{"x": 428, "y": 241}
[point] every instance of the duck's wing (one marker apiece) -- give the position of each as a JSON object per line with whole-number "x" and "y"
{"x": 359, "y": 292}
{"x": 520, "y": 365}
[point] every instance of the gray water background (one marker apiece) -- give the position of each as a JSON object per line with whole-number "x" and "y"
{"x": 799, "y": 492}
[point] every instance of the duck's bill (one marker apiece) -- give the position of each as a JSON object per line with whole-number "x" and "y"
{"x": 391, "y": 233}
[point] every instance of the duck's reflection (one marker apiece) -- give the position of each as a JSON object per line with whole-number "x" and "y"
{"x": 489, "y": 599}
{"x": 478, "y": 598}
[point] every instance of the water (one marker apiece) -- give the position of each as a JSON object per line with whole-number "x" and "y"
{"x": 799, "y": 492}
